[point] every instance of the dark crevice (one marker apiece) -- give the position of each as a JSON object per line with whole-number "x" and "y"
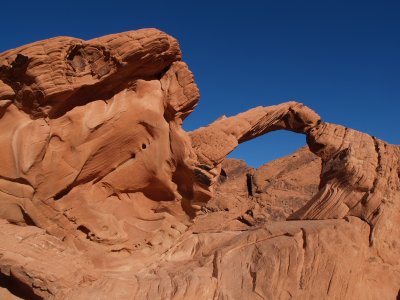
{"x": 378, "y": 165}
{"x": 204, "y": 167}
{"x": 27, "y": 219}
{"x": 249, "y": 212}
{"x": 249, "y": 182}
{"x": 222, "y": 176}
{"x": 63, "y": 192}
{"x": 15, "y": 75}
{"x": 17, "y": 180}
{"x": 18, "y": 288}
{"x": 162, "y": 73}
{"x": 313, "y": 145}
{"x": 84, "y": 229}
{"x": 216, "y": 263}
{"x": 304, "y": 236}
{"x": 253, "y": 276}
{"x": 243, "y": 220}
{"x": 201, "y": 177}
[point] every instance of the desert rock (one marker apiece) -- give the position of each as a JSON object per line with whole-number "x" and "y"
{"x": 104, "y": 195}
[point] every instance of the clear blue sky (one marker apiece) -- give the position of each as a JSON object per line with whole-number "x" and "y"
{"x": 341, "y": 58}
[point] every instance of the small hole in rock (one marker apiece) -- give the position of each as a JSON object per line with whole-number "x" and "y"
{"x": 144, "y": 146}
{"x": 133, "y": 155}
{"x": 85, "y": 230}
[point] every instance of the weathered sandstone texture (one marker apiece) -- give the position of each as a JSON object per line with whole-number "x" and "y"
{"x": 103, "y": 195}
{"x": 276, "y": 190}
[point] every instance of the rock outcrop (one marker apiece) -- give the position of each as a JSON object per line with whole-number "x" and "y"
{"x": 277, "y": 189}
{"x": 104, "y": 195}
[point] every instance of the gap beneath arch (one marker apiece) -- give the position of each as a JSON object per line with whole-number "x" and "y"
{"x": 266, "y": 179}
{"x": 268, "y": 147}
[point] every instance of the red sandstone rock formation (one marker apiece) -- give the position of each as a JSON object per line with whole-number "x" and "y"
{"x": 278, "y": 188}
{"x": 103, "y": 195}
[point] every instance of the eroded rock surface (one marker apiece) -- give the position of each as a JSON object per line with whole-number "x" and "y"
{"x": 104, "y": 195}
{"x": 270, "y": 193}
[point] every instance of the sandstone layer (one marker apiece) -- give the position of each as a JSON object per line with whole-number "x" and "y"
{"x": 103, "y": 195}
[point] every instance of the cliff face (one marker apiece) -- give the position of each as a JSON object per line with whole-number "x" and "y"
{"x": 102, "y": 193}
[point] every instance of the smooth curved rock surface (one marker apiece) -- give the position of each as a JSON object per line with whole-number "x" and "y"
{"x": 104, "y": 195}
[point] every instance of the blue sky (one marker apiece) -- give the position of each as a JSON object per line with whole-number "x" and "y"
{"x": 341, "y": 58}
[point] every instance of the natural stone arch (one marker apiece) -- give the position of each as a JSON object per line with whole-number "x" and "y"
{"x": 64, "y": 113}
{"x": 213, "y": 143}
{"x": 359, "y": 172}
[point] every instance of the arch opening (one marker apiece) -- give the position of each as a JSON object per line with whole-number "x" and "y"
{"x": 282, "y": 176}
